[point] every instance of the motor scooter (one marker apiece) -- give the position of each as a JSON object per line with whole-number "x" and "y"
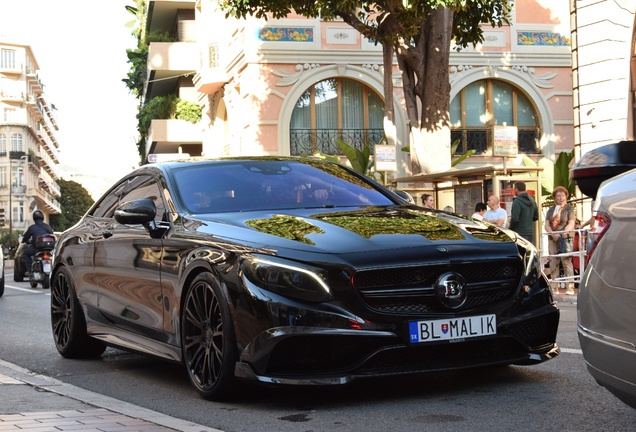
{"x": 42, "y": 261}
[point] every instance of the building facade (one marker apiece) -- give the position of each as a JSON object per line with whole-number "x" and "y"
{"x": 603, "y": 75}
{"x": 604, "y": 71}
{"x": 294, "y": 85}
{"x": 28, "y": 145}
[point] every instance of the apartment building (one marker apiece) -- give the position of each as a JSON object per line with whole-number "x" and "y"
{"x": 604, "y": 71}
{"x": 28, "y": 145}
{"x": 291, "y": 86}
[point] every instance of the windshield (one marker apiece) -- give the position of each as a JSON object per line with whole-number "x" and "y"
{"x": 272, "y": 185}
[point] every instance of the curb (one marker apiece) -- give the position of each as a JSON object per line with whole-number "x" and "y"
{"x": 48, "y": 384}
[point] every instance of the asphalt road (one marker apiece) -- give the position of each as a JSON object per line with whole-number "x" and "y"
{"x": 556, "y": 395}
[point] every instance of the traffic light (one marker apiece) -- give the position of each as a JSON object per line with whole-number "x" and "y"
{"x": 1, "y": 217}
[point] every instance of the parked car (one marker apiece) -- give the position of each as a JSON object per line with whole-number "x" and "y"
{"x": 293, "y": 271}
{"x": 602, "y": 163}
{"x": 19, "y": 270}
{"x": 607, "y": 293}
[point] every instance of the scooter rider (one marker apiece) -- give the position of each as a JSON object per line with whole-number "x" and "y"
{"x": 38, "y": 228}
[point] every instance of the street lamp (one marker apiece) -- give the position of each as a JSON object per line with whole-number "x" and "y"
{"x": 8, "y": 147}
{"x": 26, "y": 159}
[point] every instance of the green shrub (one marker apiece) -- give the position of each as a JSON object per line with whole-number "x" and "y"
{"x": 188, "y": 111}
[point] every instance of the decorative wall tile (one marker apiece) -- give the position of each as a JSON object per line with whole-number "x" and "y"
{"x": 529, "y": 38}
{"x": 286, "y": 34}
{"x": 341, "y": 36}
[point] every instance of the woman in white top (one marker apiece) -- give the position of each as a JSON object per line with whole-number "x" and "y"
{"x": 480, "y": 209}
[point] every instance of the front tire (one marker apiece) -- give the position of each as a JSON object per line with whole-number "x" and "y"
{"x": 207, "y": 338}
{"x": 68, "y": 322}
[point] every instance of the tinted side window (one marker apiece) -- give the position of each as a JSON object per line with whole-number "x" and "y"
{"x": 106, "y": 207}
{"x": 142, "y": 187}
{"x": 133, "y": 188}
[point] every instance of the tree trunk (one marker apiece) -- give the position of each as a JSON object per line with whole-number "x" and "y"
{"x": 426, "y": 85}
{"x": 435, "y": 97}
{"x": 390, "y": 129}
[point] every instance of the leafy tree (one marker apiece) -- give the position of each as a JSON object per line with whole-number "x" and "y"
{"x": 138, "y": 61}
{"x": 419, "y": 33}
{"x": 555, "y": 173}
{"x": 9, "y": 241}
{"x": 75, "y": 201}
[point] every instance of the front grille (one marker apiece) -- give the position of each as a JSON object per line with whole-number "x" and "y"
{"x": 320, "y": 354}
{"x": 537, "y": 332}
{"x": 411, "y": 290}
{"x": 368, "y": 356}
{"x": 447, "y": 356}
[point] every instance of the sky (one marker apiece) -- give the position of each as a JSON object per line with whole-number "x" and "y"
{"x": 80, "y": 47}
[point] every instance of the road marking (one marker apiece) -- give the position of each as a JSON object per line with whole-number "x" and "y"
{"x": 571, "y": 351}
{"x": 29, "y": 290}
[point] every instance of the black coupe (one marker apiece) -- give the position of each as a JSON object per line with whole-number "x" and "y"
{"x": 293, "y": 271}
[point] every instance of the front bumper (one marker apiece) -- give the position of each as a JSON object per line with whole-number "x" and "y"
{"x": 331, "y": 356}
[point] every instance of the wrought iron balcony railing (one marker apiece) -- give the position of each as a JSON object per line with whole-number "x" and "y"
{"x": 480, "y": 139}
{"x": 310, "y": 141}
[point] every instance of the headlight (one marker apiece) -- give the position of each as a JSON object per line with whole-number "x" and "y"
{"x": 287, "y": 278}
{"x": 531, "y": 262}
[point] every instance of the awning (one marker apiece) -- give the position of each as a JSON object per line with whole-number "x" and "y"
{"x": 466, "y": 174}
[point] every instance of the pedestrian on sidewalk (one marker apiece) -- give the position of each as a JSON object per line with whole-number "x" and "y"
{"x": 524, "y": 213}
{"x": 560, "y": 217}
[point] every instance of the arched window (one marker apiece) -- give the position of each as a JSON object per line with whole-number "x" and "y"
{"x": 16, "y": 142}
{"x": 336, "y": 108}
{"x": 486, "y": 103}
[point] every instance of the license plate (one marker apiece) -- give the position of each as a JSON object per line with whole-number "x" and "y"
{"x": 46, "y": 267}
{"x": 452, "y": 329}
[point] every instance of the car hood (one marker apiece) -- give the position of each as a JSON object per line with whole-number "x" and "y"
{"x": 338, "y": 231}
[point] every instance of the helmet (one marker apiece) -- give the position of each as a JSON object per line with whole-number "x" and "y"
{"x": 38, "y": 215}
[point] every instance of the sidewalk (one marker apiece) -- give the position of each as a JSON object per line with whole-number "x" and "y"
{"x": 37, "y": 403}
{"x": 561, "y": 296}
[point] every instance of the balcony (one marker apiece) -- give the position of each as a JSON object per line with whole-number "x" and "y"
{"x": 309, "y": 141}
{"x": 211, "y": 76}
{"x": 168, "y": 62}
{"x": 166, "y": 136}
{"x": 480, "y": 140}
{"x": 49, "y": 186}
{"x": 162, "y": 14}
{"x": 34, "y": 108}
{"x": 34, "y": 81}
{"x": 13, "y": 69}
{"x": 11, "y": 96}
{"x": 48, "y": 203}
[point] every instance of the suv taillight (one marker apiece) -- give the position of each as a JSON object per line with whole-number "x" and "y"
{"x": 602, "y": 224}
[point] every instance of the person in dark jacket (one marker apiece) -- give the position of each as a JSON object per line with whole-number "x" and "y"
{"x": 524, "y": 213}
{"x": 38, "y": 228}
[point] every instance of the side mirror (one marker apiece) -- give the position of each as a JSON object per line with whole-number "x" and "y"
{"x": 142, "y": 211}
{"x": 404, "y": 195}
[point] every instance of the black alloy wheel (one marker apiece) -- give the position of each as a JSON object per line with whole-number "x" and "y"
{"x": 207, "y": 337}
{"x": 68, "y": 322}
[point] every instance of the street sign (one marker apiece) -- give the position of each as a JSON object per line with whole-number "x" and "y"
{"x": 162, "y": 157}
{"x": 385, "y": 158}
{"x": 505, "y": 141}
